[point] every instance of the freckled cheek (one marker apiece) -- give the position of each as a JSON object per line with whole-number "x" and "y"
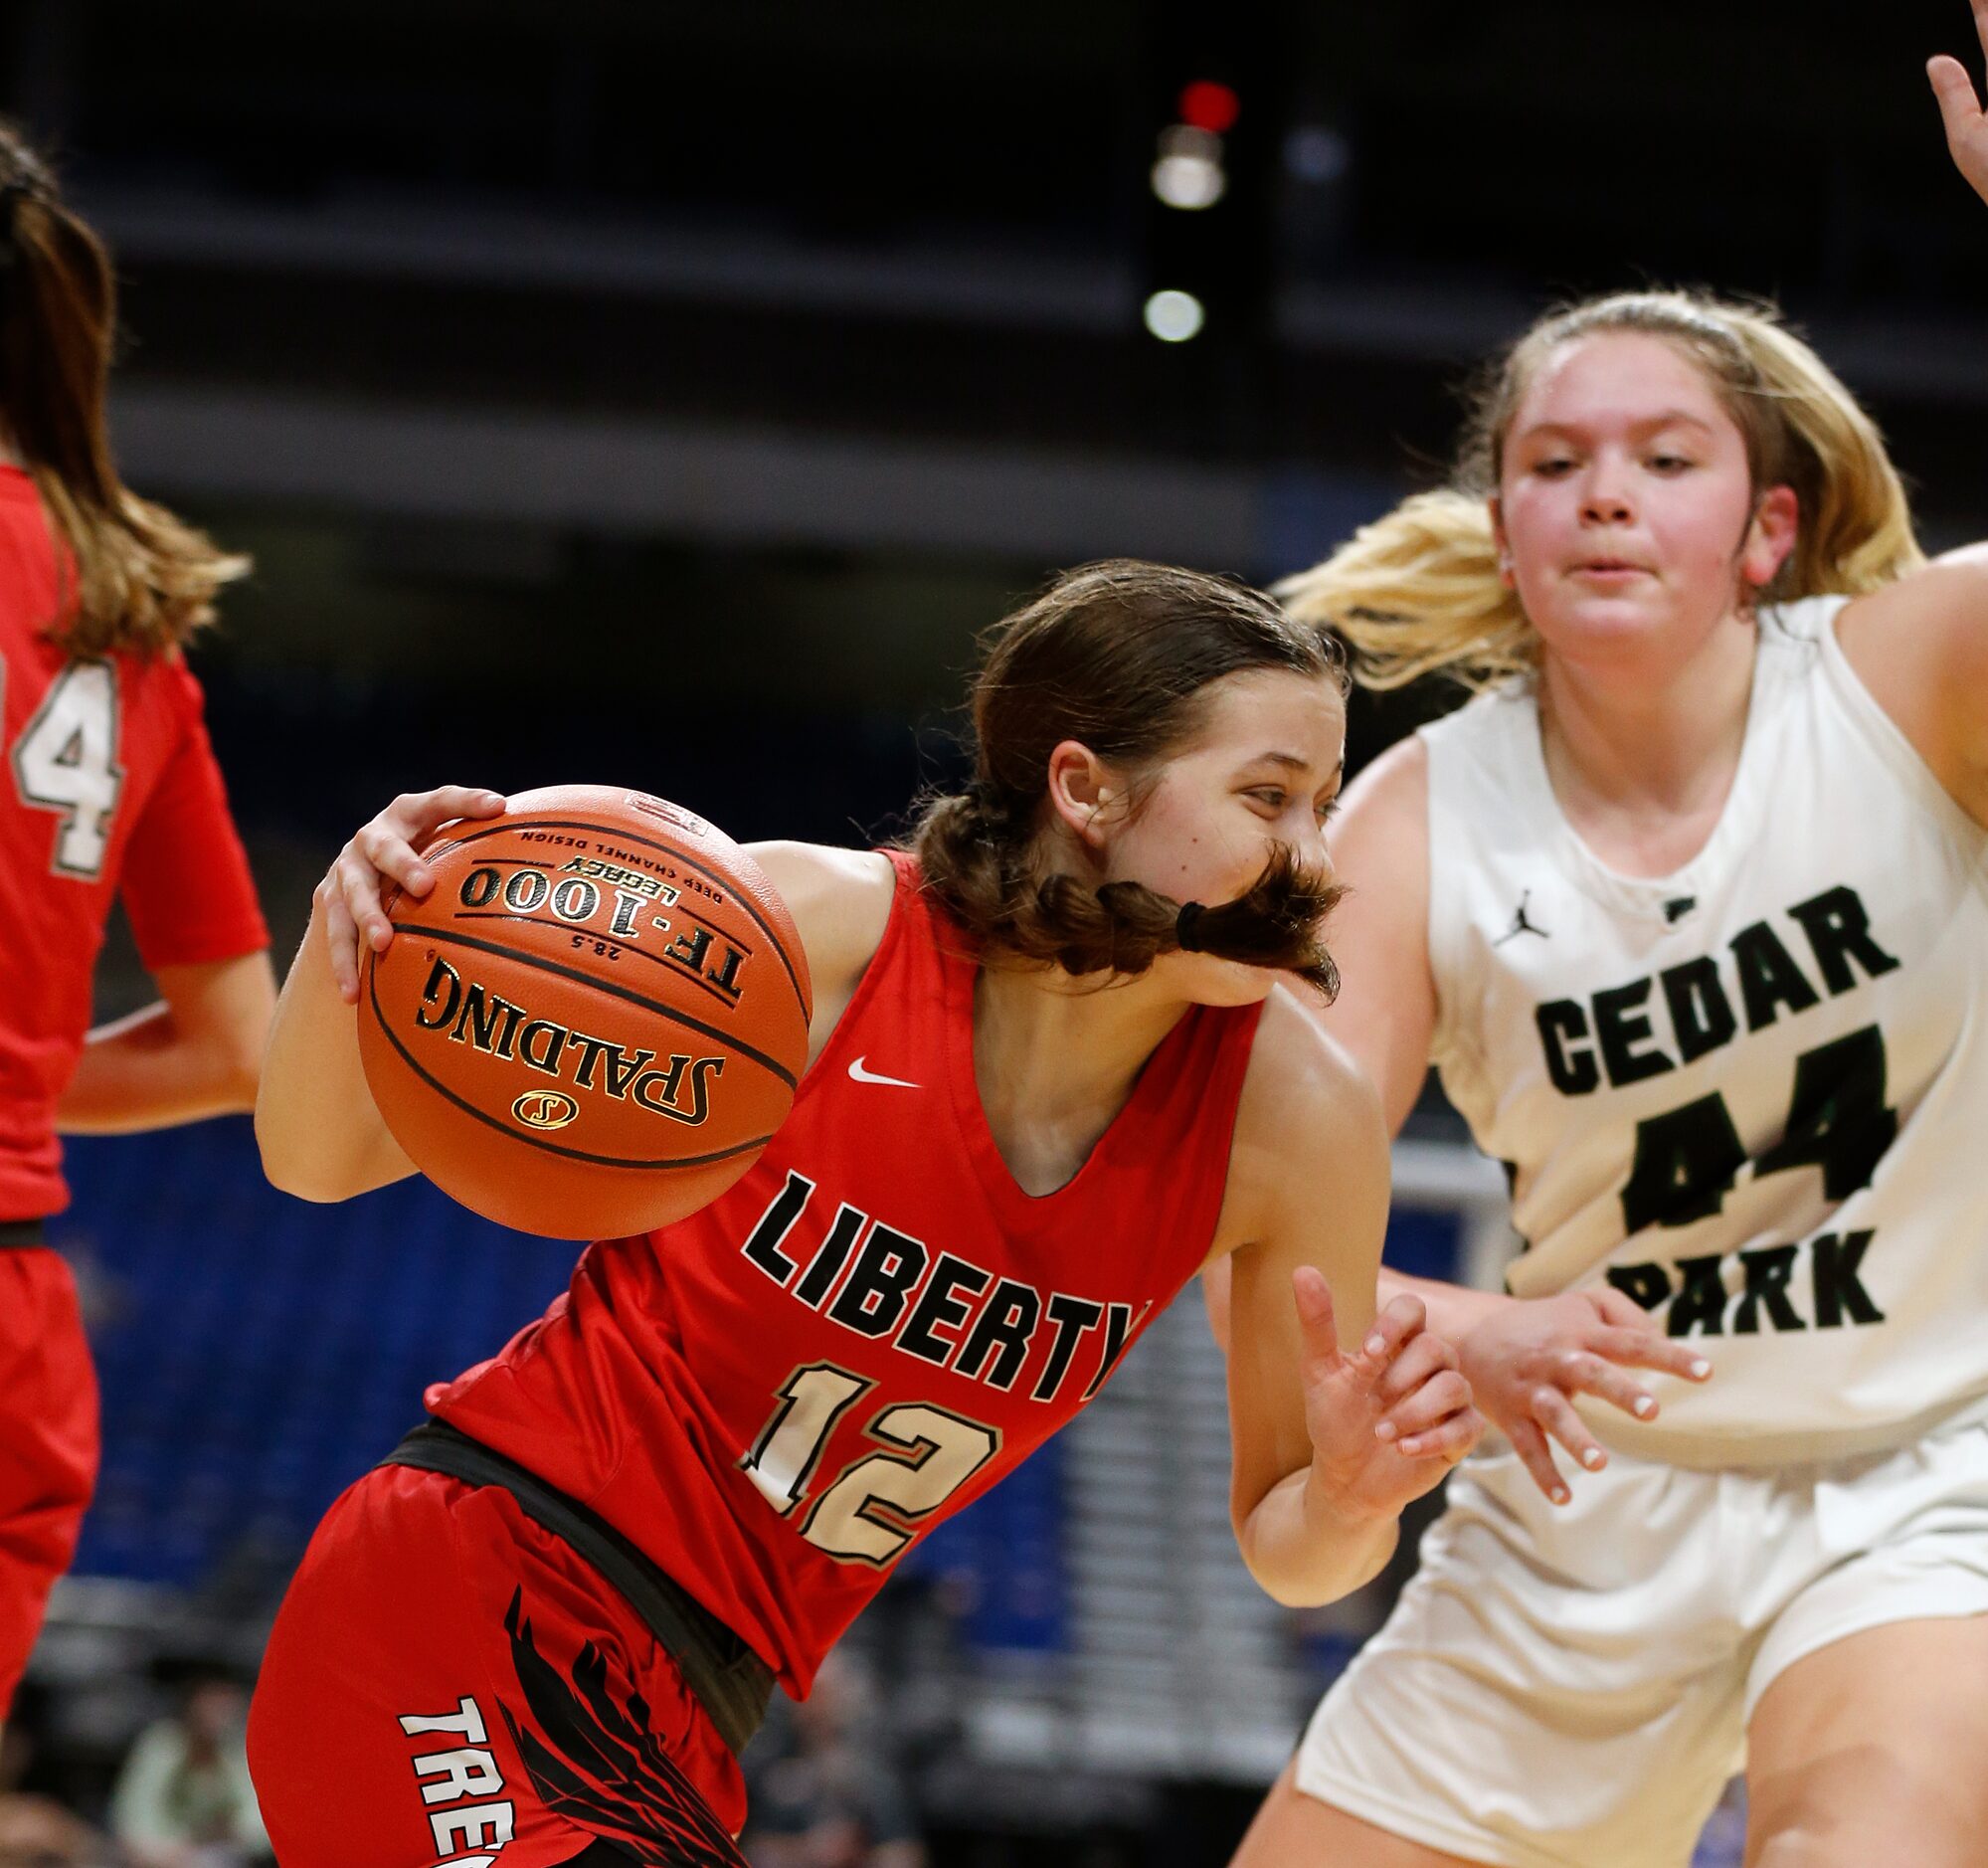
{"x": 1172, "y": 844}
{"x": 1162, "y": 853}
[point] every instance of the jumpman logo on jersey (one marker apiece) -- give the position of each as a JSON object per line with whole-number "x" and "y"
{"x": 1521, "y": 925}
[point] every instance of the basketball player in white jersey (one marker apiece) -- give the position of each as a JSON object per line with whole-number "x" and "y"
{"x": 1690, "y": 906}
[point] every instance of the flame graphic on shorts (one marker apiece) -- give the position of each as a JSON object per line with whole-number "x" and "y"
{"x": 596, "y": 1764}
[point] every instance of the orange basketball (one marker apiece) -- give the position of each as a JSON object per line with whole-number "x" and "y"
{"x": 593, "y": 1020}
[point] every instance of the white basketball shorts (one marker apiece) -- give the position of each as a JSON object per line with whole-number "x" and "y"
{"x": 1569, "y": 1686}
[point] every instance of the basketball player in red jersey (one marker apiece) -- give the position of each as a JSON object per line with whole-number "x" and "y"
{"x": 108, "y": 785}
{"x": 1052, "y": 1075}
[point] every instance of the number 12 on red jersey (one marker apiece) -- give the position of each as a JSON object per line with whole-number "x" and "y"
{"x": 871, "y": 1510}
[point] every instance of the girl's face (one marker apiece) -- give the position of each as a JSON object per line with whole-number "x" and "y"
{"x": 1626, "y": 513}
{"x": 1264, "y": 770}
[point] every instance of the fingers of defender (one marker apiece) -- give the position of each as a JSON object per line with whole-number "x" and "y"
{"x": 1620, "y": 1309}
{"x": 1644, "y": 1349}
{"x": 1959, "y": 108}
{"x": 1314, "y": 1298}
{"x": 342, "y": 939}
{"x": 1443, "y": 1393}
{"x": 1536, "y": 1455}
{"x": 1553, "y": 1411}
{"x": 1591, "y": 1374}
{"x": 1403, "y": 1318}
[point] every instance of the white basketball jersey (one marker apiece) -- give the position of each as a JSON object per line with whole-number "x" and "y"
{"x": 1752, "y": 1094}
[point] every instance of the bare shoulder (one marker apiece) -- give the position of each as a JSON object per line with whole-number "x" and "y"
{"x": 1386, "y": 1013}
{"x": 841, "y": 902}
{"x": 1919, "y": 645}
{"x": 809, "y": 874}
{"x": 1394, "y": 786}
{"x": 1380, "y": 839}
{"x": 1299, "y": 1074}
{"x": 1310, "y": 1125}
{"x": 1953, "y": 588}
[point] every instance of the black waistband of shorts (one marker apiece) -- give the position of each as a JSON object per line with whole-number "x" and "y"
{"x": 21, "y": 1234}
{"x": 731, "y": 1682}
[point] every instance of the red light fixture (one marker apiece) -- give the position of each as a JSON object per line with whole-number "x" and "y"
{"x": 1206, "y": 105}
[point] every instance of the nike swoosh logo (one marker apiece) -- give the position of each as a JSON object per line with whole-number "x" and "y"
{"x": 860, "y": 1075}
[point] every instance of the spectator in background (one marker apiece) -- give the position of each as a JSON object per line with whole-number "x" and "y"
{"x": 183, "y": 1799}
{"x": 823, "y": 1791}
{"x": 35, "y": 1832}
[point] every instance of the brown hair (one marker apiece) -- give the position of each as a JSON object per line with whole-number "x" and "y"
{"x": 1120, "y": 657}
{"x": 1419, "y": 592}
{"x": 135, "y": 577}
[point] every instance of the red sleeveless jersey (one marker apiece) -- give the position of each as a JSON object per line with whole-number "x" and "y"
{"x": 777, "y": 1397}
{"x": 108, "y": 785}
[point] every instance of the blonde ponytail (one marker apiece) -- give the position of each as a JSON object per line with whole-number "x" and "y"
{"x": 1856, "y": 528}
{"x": 1418, "y": 593}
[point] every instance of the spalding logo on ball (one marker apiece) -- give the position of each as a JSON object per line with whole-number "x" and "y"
{"x": 595, "y": 1019}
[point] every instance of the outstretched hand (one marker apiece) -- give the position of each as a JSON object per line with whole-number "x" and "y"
{"x": 1387, "y": 1421}
{"x": 1961, "y": 109}
{"x": 1529, "y": 1357}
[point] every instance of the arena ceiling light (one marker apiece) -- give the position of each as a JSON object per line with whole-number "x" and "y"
{"x": 1188, "y": 173}
{"x": 1173, "y": 316}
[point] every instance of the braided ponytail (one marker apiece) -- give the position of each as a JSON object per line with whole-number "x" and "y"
{"x": 1117, "y": 656}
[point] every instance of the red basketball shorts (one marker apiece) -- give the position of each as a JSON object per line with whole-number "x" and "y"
{"x": 448, "y": 1683}
{"x": 47, "y": 1444}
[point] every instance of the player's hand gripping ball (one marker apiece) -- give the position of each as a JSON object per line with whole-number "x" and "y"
{"x": 593, "y": 1020}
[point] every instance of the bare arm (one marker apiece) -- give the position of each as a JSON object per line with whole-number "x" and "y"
{"x": 1327, "y": 1447}
{"x": 197, "y": 1052}
{"x": 1380, "y": 935}
{"x": 320, "y": 1134}
{"x": 1385, "y": 1014}
{"x": 1920, "y": 645}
